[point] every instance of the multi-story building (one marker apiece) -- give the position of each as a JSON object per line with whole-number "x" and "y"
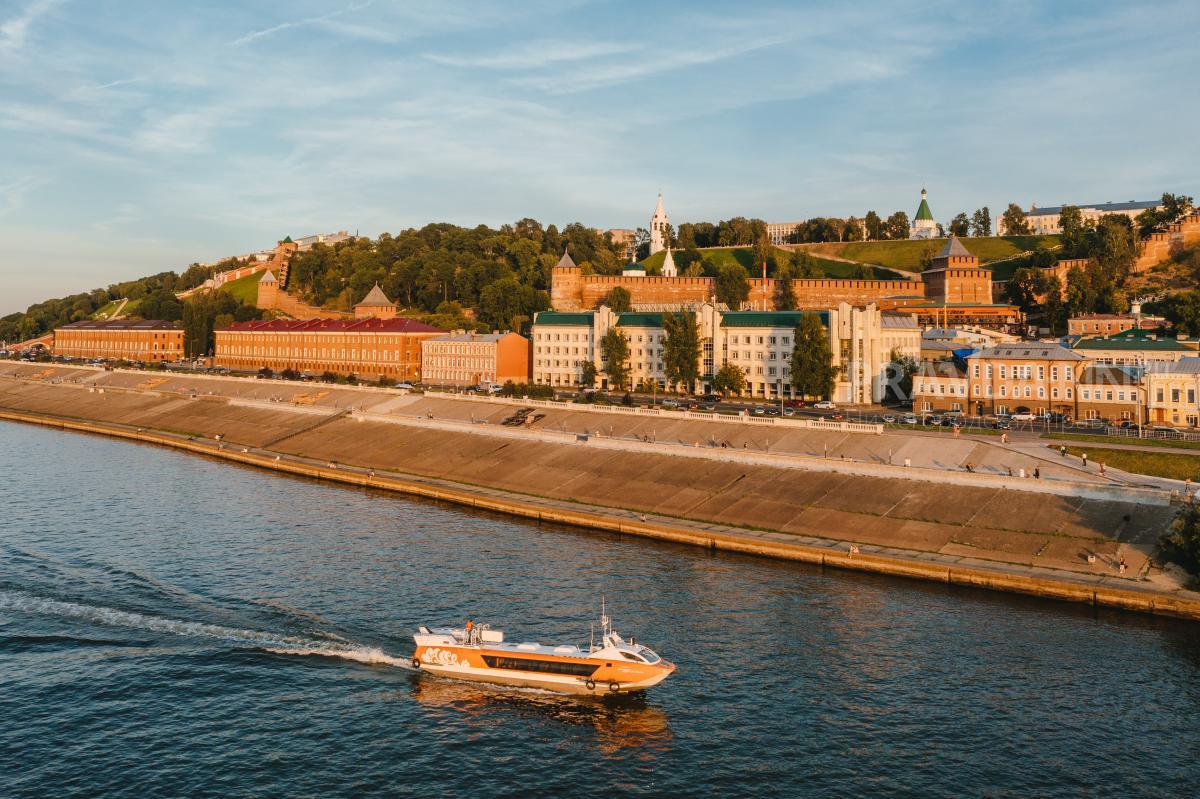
{"x": 131, "y": 339}
{"x": 781, "y": 232}
{"x": 466, "y": 358}
{"x": 1135, "y": 348}
{"x": 861, "y": 342}
{"x": 366, "y": 348}
{"x": 1034, "y": 376}
{"x": 1107, "y": 324}
{"x": 1172, "y": 392}
{"x": 940, "y": 386}
{"x": 1110, "y": 392}
{"x": 1045, "y": 220}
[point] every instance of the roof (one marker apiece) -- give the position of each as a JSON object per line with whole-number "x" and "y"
{"x": 769, "y": 318}
{"x": 119, "y": 324}
{"x": 950, "y": 369}
{"x": 954, "y": 249}
{"x": 1028, "y": 351}
{"x": 1184, "y": 366}
{"x": 940, "y": 344}
{"x": 397, "y": 325}
{"x": 460, "y": 336}
{"x": 268, "y": 277}
{"x": 893, "y": 320}
{"x": 640, "y": 319}
{"x": 583, "y": 319}
{"x": 1108, "y": 375}
{"x": 923, "y": 211}
{"x": 1055, "y": 210}
{"x": 376, "y": 299}
{"x": 565, "y": 262}
{"x": 1132, "y": 344}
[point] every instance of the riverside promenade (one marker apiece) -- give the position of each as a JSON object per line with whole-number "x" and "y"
{"x": 659, "y": 476}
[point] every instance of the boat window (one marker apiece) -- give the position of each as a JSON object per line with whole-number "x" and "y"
{"x": 546, "y": 666}
{"x": 631, "y": 656}
{"x": 650, "y": 655}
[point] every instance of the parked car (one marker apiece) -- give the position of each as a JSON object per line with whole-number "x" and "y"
{"x": 889, "y": 418}
{"x": 670, "y": 403}
{"x": 825, "y": 405}
{"x": 708, "y": 406}
{"x": 711, "y": 398}
{"x": 398, "y": 385}
{"x": 837, "y": 417}
{"x": 909, "y": 418}
{"x": 759, "y": 410}
{"x": 789, "y": 411}
{"x": 772, "y": 411}
{"x": 1023, "y": 417}
{"x": 1000, "y": 424}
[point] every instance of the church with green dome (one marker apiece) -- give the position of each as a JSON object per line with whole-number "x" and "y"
{"x": 923, "y": 224}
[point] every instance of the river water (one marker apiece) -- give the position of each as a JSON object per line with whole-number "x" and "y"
{"x": 173, "y": 626}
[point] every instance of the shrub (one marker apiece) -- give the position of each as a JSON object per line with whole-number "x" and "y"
{"x": 1181, "y": 543}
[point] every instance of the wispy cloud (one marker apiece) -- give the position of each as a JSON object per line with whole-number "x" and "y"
{"x": 533, "y": 55}
{"x": 13, "y": 193}
{"x": 14, "y": 31}
{"x": 299, "y": 23}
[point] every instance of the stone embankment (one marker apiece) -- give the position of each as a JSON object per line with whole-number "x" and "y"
{"x": 647, "y": 476}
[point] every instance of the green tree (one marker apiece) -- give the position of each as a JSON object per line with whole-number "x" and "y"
{"x": 874, "y": 226}
{"x": 614, "y": 349}
{"x": 1181, "y": 543}
{"x": 897, "y": 226}
{"x": 729, "y": 379}
{"x": 733, "y": 285}
{"x": 1070, "y": 220}
{"x": 1014, "y": 221}
{"x": 900, "y": 373}
{"x": 619, "y": 300}
{"x": 981, "y": 222}
{"x": 587, "y": 374}
{"x": 762, "y": 249}
{"x": 1023, "y": 288}
{"x": 1081, "y": 297}
{"x": 1173, "y": 207}
{"x": 804, "y": 265}
{"x": 1182, "y": 310}
{"x": 813, "y": 372}
{"x": 681, "y": 348}
{"x": 853, "y": 231}
{"x": 960, "y": 225}
{"x": 785, "y": 294}
{"x": 1054, "y": 312}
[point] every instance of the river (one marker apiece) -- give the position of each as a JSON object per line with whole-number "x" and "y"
{"x": 174, "y": 626}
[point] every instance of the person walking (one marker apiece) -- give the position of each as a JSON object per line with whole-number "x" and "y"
{"x": 1101, "y": 468}
{"x": 1062, "y": 450}
{"x": 1084, "y": 456}
{"x": 1037, "y": 473}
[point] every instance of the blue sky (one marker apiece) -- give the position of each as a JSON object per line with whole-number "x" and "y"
{"x": 139, "y": 137}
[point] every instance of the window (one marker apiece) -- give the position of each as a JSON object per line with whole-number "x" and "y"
{"x": 1191, "y": 395}
{"x": 1041, "y": 373}
{"x": 1158, "y": 395}
{"x": 1003, "y": 368}
{"x": 546, "y": 666}
{"x": 1174, "y": 395}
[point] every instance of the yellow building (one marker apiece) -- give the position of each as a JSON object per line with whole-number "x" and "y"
{"x": 1172, "y": 391}
{"x": 129, "y": 339}
{"x": 465, "y": 358}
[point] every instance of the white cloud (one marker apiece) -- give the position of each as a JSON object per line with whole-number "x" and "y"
{"x": 14, "y": 31}
{"x": 533, "y": 55}
{"x": 13, "y": 193}
{"x": 299, "y": 23}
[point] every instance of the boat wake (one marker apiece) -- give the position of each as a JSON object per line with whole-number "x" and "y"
{"x": 17, "y": 601}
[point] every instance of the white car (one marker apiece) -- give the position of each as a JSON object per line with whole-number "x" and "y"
{"x": 1023, "y": 417}
{"x": 404, "y": 385}
{"x": 495, "y": 388}
{"x": 825, "y": 405}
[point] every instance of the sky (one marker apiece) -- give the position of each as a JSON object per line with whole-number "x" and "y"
{"x": 139, "y": 137}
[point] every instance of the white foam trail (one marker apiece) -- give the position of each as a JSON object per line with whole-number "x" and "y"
{"x": 271, "y": 642}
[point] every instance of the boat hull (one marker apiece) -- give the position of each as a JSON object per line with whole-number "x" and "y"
{"x": 582, "y": 676}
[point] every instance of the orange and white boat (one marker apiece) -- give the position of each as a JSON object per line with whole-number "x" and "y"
{"x": 479, "y": 653}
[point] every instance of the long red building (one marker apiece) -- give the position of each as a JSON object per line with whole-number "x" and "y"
{"x": 366, "y": 348}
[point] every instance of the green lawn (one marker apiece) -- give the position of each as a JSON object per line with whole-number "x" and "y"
{"x": 105, "y": 311}
{"x": 1164, "y": 443}
{"x": 1172, "y": 465}
{"x": 906, "y": 255}
{"x": 244, "y": 288}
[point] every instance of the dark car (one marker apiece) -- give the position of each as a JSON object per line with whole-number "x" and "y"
{"x": 711, "y": 398}
{"x": 1000, "y": 424}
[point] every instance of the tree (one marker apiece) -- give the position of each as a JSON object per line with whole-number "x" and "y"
{"x": 785, "y": 294}
{"x": 587, "y": 374}
{"x": 1182, "y": 310}
{"x": 1173, "y": 207}
{"x": 762, "y": 249}
{"x": 614, "y": 351}
{"x": 874, "y": 226}
{"x": 1023, "y": 288}
{"x": 619, "y": 300}
{"x": 813, "y": 372}
{"x": 1181, "y": 543}
{"x": 729, "y": 379}
{"x": 1081, "y": 297}
{"x": 981, "y": 222}
{"x": 804, "y": 265}
{"x": 681, "y": 349}
{"x": 897, "y": 226}
{"x": 900, "y": 373}
{"x": 1014, "y": 222}
{"x": 1053, "y": 311}
{"x": 1070, "y": 220}
{"x": 960, "y": 225}
{"x": 853, "y": 230}
{"x": 733, "y": 285}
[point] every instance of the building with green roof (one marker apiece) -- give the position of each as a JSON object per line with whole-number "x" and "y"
{"x": 923, "y": 225}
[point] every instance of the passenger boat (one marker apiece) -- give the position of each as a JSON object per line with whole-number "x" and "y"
{"x": 477, "y": 652}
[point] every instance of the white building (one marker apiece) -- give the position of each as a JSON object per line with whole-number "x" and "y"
{"x": 923, "y": 225}
{"x": 862, "y": 341}
{"x": 1045, "y": 220}
{"x": 658, "y": 228}
{"x": 781, "y": 232}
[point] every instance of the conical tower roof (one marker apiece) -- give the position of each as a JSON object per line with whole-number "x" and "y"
{"x": 376, "y": 298}
{"x": 565, "y": 261}
{"x": 923, "y": 212}
{"x": 668, "y": 267}
{"x": 658, "y": 209}
{"x": 268, "y": 277}
{"x": 954, "y": 248}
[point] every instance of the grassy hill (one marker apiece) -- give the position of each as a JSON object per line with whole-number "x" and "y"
{"x": 244, "y": 288}
{"x": 716, "y": 257}
{"x": 906, "y": 255}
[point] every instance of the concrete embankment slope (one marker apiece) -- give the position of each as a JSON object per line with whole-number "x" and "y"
{"x": 986, "y": 535}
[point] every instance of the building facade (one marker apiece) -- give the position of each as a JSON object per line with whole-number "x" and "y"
{"x": 760, "y": 343}
{"x": 923, "y": 225}
{"x": 129, "y": 339}
{"x": 1172, "y": 393}
{"x": 1135, "y": 348}
{"x": 465, "y": 358}
{"x": 1107, "y": 324}
{"x": 659, "y": 228}
{"x": 369, "y": 349}
{"x": 1046, "y": 220}
{"x": 781, "y": 232}
{"x": 1113, "y": 393}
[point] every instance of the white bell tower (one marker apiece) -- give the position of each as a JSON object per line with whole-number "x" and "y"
{"x": 658, "y": 227}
